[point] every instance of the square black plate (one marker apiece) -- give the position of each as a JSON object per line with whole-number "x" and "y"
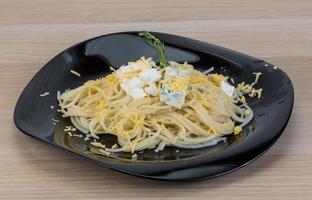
{"x": 92, "y": 59}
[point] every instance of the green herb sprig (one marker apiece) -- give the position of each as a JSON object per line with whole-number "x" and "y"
{"x": 159, "y": 46}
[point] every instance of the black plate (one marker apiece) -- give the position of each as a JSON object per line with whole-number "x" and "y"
{"x": 92, "y": 59}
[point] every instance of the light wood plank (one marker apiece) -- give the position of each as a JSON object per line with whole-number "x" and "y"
{"x": 32, "y": 32}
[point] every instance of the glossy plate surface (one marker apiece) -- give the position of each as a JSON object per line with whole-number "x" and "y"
{"x": 92, "y": 58}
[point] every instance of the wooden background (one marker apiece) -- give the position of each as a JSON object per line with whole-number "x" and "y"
{"x": 32, "y": 32}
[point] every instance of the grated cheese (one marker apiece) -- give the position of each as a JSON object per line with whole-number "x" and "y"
{"x": 55, "y": 120}
{"x": 259, "y": 91}
{"x": 237, "y": 130}
{"x": 208, "y": 70}
{"x": 247, "y": 112}
{"x": 258, "y": 74}
{"x": 98, "y": 144}
{"x": 105, "y": 152}
{"x": 44, "y": 94}
{"x": 218, "y": 78}
{"x": 242, "y": 100}
{"x": 115, "y": 146}
{"x": 134, "y": 156}
{"x": 69, "y": 128}
{"x": 76, "y": 135}
{"x": 255, "y": 92}
{"x": 75, "y": 73}
{"x": 111, "y": 68}
{"x": 249, "y": 89}
{"x": 232, "y": 80}
{"x": 197, "y": 79}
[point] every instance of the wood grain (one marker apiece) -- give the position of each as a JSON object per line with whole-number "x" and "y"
{"x": 32, "y": 32}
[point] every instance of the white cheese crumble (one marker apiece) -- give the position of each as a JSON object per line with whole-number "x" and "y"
{"x": 143, "y": 80}
{"x": 227, "y": 88}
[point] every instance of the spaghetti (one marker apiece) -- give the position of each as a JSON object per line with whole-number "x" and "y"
{"x": 182, "y": 107}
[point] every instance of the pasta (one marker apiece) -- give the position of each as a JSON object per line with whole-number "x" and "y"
{"x": 180, "y": 107}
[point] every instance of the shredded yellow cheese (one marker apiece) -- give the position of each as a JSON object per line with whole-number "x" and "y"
{"x": 249, "y": 89}
{"x": 237, "y": 130}
{"x": 247, "y": 112}
{"x": 255, "y": 92}
{"x": 217, "y": 78}
{"x": 112, "y": 78}
{"x": 197, "y": 78}
{"x": 242, "y": 100}
{"x": 259, "y": 91}
{"x": 177, "y": 83}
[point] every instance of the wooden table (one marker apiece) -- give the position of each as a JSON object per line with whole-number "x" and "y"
{"x": 32, "y": 32}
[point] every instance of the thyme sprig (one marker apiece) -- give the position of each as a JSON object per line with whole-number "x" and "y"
{"x": 159, "y": 46}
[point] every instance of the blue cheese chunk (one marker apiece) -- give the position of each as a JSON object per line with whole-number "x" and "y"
{"x": 175, "y": 99}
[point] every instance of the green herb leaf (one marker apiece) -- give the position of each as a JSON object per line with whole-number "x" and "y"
{"x": 159, "y": 46}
